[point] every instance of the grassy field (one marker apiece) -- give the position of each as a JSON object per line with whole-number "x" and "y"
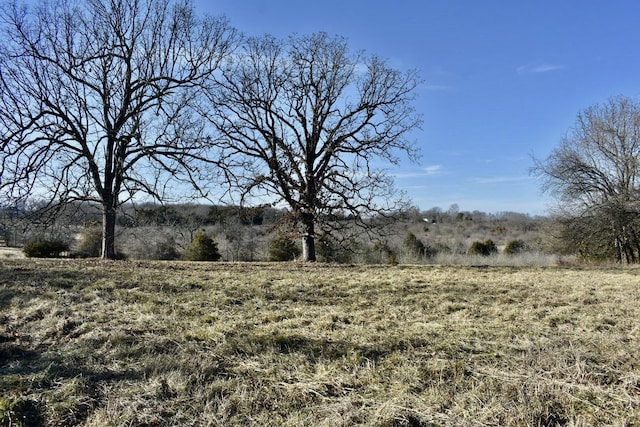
{"x": 93, "y": 343}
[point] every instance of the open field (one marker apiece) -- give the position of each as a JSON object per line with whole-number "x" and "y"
{"x": 93, "y": 343}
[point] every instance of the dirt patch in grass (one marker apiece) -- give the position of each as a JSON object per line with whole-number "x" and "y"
{"x": 93, "y": 343}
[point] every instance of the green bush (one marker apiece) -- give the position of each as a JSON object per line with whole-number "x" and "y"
{"x": 202, "y": 248}
{"x": 485, "y": 248}
{"x": 283, "y": 249}
{"x": 515, "y": 247}
{"x": 45, "y": 248}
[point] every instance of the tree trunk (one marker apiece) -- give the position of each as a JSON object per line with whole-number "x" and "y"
{"x": 308, "y": 248}
{"x": 308, "y": 239}
{"x": 108, "y": 232}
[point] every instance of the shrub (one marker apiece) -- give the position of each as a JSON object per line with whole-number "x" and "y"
{"x": 417, "y": 249}
{"x": 381, "y": 253}
{"x": 413, "y": 245}
{"x": 283, "y": 249}
{"x": 90, "y": 243}
{"x": 45, "y": 248}
{"x": 485, "y": 248}
{"x": 202, "y": 248}
{"x": 331, "y": 250}
{"x": 430, "y": 251}
{"x": 515, "y": 247}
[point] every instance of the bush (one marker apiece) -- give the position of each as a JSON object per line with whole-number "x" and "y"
{"x": 485, "y": 248}
{"x": 332, "y": 250}
{"x": 90, "y": 243}
{"x": 202, "y": 248}
{"x": 515, "y": 247}
{"x": 417, "y": 249}
{"x": 381, "y": 253}
{"x": 45, "y": 249}
{"x": 413, "y": 245}
{"x": 283, "y": 249}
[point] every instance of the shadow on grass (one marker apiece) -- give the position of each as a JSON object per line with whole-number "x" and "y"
{"x": 6, "y": 295}
{"x": 26, "y": 375}
{"x": 18, "y": 360}
{"x": 22, "y": 284}
{"x": 317, "y": 349}
{"x": 56, "y": 277}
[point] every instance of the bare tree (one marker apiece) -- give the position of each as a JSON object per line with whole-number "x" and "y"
{"x": 99, "y": 99}
{"x": 595, "y": 174}
{"x": 306, "y": 122}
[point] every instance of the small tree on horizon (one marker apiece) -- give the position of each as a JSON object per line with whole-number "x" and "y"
{"x": 202, "y": 248}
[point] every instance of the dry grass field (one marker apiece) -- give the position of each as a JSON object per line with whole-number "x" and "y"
{"x": 10, "y": 253}
{"x": 92, "y": 343}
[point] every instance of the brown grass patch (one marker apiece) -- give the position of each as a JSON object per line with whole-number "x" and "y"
{"x": 93, "y": 343}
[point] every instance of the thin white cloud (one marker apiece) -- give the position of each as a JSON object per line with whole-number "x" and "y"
{"x": 433, "y": 170}
{"x": 538, "y": 68}
{"x": 500, "y": 179}
{"x": 426, "y": 171}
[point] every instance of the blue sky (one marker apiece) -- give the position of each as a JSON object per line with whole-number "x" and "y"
{"x": 504, "y": 80}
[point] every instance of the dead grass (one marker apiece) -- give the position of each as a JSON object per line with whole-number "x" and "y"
{"x": 92, "y": 343}
{"x": 10, "y": 253}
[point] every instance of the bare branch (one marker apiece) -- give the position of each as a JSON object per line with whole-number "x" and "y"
{"x": 594, "y": 174}
{"x": 100, "y": 99}
{"x": 305, "y": 120}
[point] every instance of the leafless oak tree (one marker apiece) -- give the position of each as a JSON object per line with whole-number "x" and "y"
{"x": 595, "y": 175}
{"x": 99, "y": 99}
{"x": 306, "y": 122}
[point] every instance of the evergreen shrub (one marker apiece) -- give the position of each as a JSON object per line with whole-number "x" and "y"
{"x": 202, "y": 248}
{"x": 45, "y": 248}
{"x": 486, "y": 248}
{"x": 283, "y": 249}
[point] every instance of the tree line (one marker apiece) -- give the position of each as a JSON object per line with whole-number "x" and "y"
{"x": 234, "y": 233}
